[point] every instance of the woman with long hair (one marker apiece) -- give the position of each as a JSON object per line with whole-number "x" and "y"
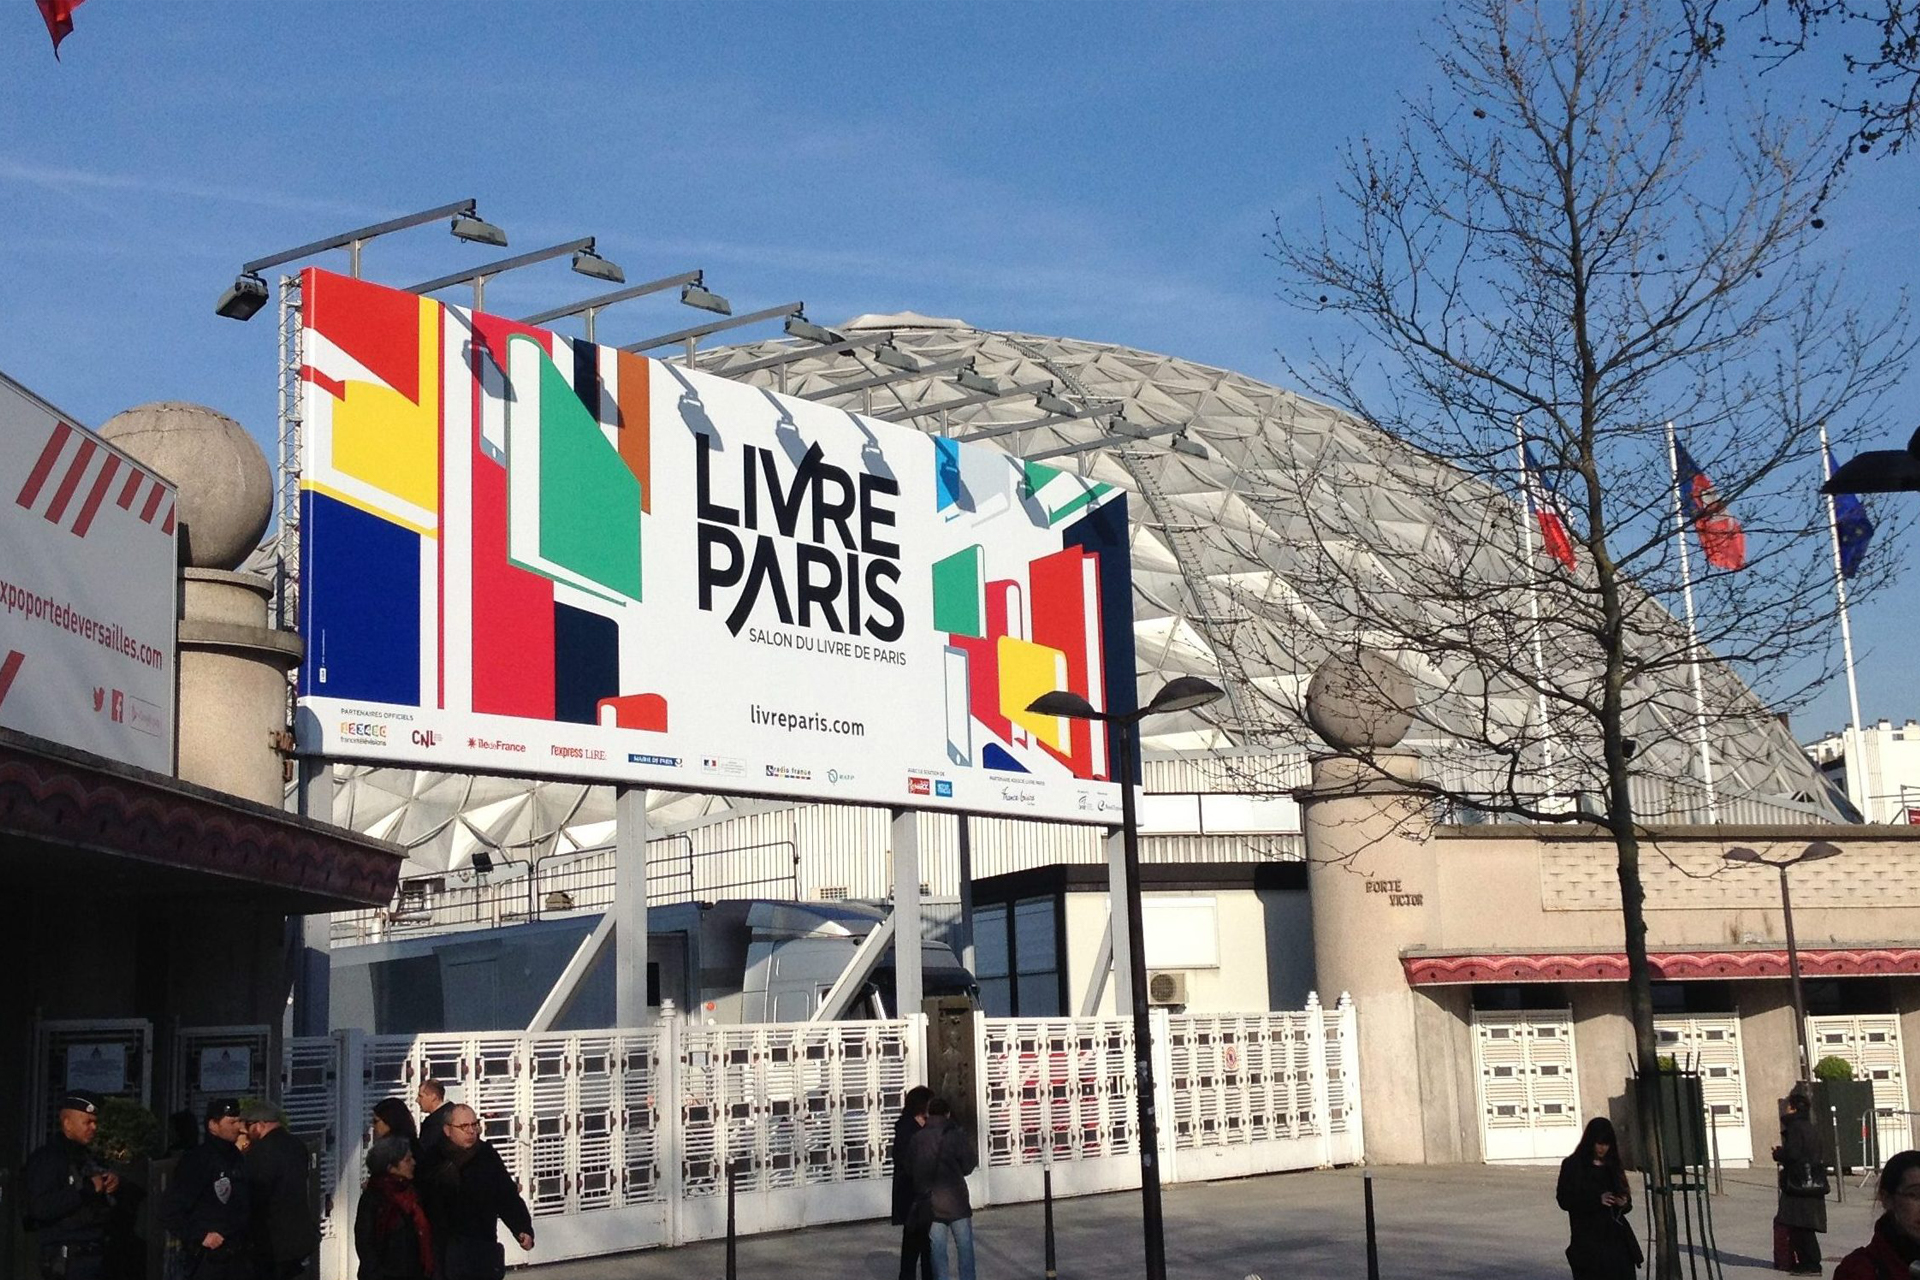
{"x": 390, "y": 1231}
{"x": 1895, "y": 1248}
{"x": 392, "y": 1119}
{"x": 1593, "y": 1190}
{"x": 1801, "y": 1212}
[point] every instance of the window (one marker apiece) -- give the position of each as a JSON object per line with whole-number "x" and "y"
{"x": 1036, "y": 953}
{"x": 992, "y": 969}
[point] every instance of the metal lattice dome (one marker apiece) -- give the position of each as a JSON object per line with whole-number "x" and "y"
{"x": 1228, "y": 478}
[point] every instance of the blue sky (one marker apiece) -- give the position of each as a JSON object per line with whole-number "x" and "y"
{"x": 1104, "y": 171}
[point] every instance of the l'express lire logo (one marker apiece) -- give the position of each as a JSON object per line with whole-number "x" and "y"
{"x": 817, "y": 542}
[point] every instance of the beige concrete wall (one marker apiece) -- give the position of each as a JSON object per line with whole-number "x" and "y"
{"x": 1543, "y": 889}
{"x": 1770, "y": 1049}
{"x": 1602, "y": 1051}
{"x": 1449, "y": 1098}
{"x": 1239, "y": 983}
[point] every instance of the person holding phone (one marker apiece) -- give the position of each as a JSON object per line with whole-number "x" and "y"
{"x": 1593, "y": 1191}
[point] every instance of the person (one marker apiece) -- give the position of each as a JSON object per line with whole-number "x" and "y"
{"x": 207, "y": 1206}
{"x": 70, "y": 1195}
{"x": 1801, "y": 1212}
{"x": 392, "y": 1119}
{"x": 1895, "y": 1247}
{"x": 916, "y": 1249}
{"x": 391, "y": 1235}
{"x": 470, "y": 1191}
{"x": 284, "y": 1231}
{"x": 1593, "y": 1191}
{"x": 432, "y": 1097}
{"x": 943, "y": 1156}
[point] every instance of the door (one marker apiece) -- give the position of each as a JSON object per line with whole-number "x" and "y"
{"x": 1528, "y": 1090}
{"x": 1710, "y": 1044}
{"x": 1871, "y": 1042}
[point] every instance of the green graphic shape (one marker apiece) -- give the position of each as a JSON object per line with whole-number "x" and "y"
{"x": 959, "y": 595}
{"x": 589, "y": 499}
{"x": 1061, "y": 493}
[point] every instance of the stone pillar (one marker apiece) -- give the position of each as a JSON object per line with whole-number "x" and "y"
{"x": 233, "y": 685}
{"x": 1371, "y": 880}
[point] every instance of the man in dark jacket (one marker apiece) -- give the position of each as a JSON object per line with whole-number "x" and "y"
{"x": 69, "y": 1196}
{"x": 468, "y": 1192}
{"x": 916, "y": 1253}
{"x": 943, "y": 1156}
{"x": 434, "y": 1107}
{"x": 207, "y": 1207}
{"x": 284, "y": 1231}
{"x": 1801, "y": 1213}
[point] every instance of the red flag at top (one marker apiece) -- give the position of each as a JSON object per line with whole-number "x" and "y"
{"x": 1722, "y": 539}
{"x": 59, "y": 19}
{"x": 1544, "y": 502}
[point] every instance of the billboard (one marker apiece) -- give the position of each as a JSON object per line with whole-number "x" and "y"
{"x": 89, "y": 584}
{"x": 526, "y": 554}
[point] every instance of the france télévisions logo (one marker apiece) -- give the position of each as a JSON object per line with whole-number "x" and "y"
{"x": 943, "y": 788}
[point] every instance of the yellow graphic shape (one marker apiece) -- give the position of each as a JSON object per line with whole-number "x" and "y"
{"x": 1028, "y": 670}
{"x": 383, "y": 439}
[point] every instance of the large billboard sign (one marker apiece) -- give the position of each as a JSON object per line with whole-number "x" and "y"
{"x": 89, "y": 582}
{"x": 526, "y": 554}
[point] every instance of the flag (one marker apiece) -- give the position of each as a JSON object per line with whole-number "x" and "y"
{"x": 1543, "y": 502}
{"x": 58, "y": 15}
{"x": 1722, "y": 539}
{"x": 1851, "y": 526}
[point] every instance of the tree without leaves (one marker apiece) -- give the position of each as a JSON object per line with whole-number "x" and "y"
{"x": 1567, "y": 238}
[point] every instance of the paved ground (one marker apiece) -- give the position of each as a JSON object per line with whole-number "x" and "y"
{"x": 1458, "y": 1221}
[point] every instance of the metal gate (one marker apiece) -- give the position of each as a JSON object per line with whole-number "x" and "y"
{"x": 110, "y": 1057}
{"x": 219, "y": 1062}
{"x": 1711, "y": 1046}
{"x": 1528, "y": 1090}
{"x": 1871, "y": 1042}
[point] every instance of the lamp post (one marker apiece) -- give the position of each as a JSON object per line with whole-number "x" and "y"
{"x": 1812, "y": 853}
{"x": 1183, "y": 693}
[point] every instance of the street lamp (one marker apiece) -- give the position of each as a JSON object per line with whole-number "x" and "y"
{"x": 1182, "y": 693}
{"x": 586, "y": 262}
{"x": 1879, "y": 471}
{"x": 1812, "y": 853}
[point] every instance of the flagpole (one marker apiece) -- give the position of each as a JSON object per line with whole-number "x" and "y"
{"x": 1856, "y": 761}
{"x": 1533, "y": 603}
{"x": 1693, "y": 634}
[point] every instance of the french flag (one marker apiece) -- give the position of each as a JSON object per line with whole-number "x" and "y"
{"x": 1543, "y": 501}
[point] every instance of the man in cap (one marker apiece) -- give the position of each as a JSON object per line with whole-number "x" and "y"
{"x": 207, "y": 1207}
{"x": 69, "y": 1196}
{"x": 284, "y": 1231}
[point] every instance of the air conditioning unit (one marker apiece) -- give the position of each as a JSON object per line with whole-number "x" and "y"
{"x": 1166, "y": 986}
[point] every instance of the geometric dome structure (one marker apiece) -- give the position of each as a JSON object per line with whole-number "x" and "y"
{"x": 1228, "y": 479}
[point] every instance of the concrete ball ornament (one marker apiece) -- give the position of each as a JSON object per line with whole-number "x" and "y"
{"x": 1360, "y": 701}
{"x": 226, "y": 487}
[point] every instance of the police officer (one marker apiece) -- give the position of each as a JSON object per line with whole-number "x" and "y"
{"x": 207, "y": 1206}
{"x": 70, "y": 1196}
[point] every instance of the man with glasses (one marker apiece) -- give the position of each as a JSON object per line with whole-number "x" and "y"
{"x": 468, "y": 1192}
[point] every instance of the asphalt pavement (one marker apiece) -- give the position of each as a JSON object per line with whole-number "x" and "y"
{"x": 1433, "y": 1221}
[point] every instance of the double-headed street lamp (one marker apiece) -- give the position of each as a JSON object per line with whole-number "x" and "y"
{"x": 1812, "y": 853}
{"x": 1183, "y": 693}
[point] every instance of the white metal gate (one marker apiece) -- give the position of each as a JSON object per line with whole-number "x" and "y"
{"x": 1711, "y": 1045}
{"x": 1528, "y": 1089}
{"x": 1871, "y": 1042}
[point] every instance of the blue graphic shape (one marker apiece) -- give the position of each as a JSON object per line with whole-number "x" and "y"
{"x": 994, "y": 756}
{"x": 358, "y": 570}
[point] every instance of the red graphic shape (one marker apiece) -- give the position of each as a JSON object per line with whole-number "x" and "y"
{"x": 379, "y": 327}
{"x": 332, "y": 386}
{"x": 77, "y": 468}
{"x": 493, "y": 332}
{"x": 512, "y": 609}
{"x": 153, "y": 504}
{"x": 646, "y": 711}
{"x": 95, "y": 496}
{"x": 1065, "y": 589}
{"x": 130, "y": 490}
{"x": 43, "y": 467}
{"x": 8, "y": 670}
{"x": 168, "y": 526}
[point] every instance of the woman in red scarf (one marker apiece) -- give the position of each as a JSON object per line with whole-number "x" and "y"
{"x": 390, "y": 1231}
{"x": 1896, "y": 1236}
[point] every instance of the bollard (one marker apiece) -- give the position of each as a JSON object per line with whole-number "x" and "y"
{"x": 732, "y": 1263}
{"x": 1373, "y": 1245}
{"x": 1839, "y": 1161}
{"x": 1046, "y": 1192}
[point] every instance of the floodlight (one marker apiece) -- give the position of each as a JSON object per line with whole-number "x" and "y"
{"x": 894, "y": 357}
{"x": 243, "y": 298}
{"x": 807, "y": 331}
{"x": 1191, "y": 448}
{"x": 973, "y": 381}
{"x": 476, "y": 230}
{"x": 695, "y": 295}
{"x": 588, "y": 263}
{"x": 1051, "y": 403}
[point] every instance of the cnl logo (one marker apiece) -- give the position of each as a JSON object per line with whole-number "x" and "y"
{"x": 425, "y": 738}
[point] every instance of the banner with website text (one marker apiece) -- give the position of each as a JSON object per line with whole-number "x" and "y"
{"x": 525, "y": 554}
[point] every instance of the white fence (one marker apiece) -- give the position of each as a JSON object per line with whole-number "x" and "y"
{"x": 622, "y": 1139}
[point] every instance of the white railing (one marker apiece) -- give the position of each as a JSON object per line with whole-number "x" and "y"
{"x": 623, "y": 1140}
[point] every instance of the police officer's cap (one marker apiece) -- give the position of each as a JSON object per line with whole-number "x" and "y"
{"x": 221, "y": 1108}
{"x": 79, "y": 1102}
